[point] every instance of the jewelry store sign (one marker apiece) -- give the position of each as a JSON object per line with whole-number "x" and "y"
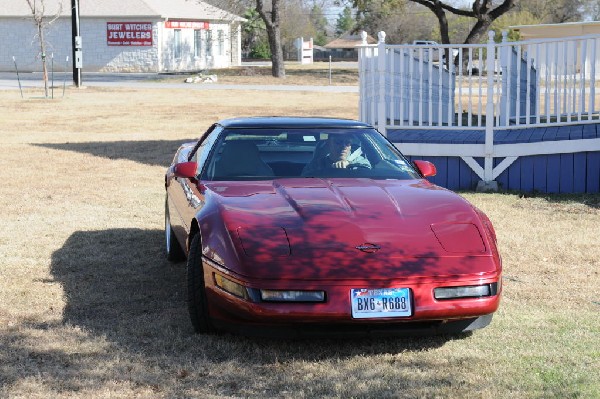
{"x": 129, "y": 33}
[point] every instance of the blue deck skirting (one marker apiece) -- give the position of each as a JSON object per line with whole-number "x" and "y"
{"x": 553, "y": 173}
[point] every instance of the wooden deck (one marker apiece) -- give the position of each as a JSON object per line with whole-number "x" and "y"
{"x": 577, "y": 172}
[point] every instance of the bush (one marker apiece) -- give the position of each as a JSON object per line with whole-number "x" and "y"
{"x": 260, "y": 50}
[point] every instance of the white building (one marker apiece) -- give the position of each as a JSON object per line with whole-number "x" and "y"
{"x": 123, "y": 36}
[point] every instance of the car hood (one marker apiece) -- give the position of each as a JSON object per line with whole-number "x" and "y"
{"x": 350, "y": 228}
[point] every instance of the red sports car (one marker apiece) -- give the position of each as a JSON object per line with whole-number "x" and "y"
{"x": 321, "y": 226}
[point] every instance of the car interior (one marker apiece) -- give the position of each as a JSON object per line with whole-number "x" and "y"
{"x": 241, "y": 158}
{"x": 247, "y": 156}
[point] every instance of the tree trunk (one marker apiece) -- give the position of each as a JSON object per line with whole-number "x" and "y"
{"x": 272, "y": 24}
{"x": 43, "y": 54}
{"x": 278, "y": 66}
{"x": 445, "y": 36}
{"x": 443, "y": 22}
{"x": 479, "y": 29}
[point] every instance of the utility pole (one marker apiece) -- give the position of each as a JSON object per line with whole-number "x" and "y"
{"x": 76, "y": 43}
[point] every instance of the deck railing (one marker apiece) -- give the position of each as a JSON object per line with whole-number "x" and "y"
{"x": 490, "y": 87}
{"x": 494, "y": 85}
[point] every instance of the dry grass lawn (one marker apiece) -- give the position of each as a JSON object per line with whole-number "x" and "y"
{"x": 89, "y": 308}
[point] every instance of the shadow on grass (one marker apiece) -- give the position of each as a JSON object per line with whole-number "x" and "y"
{"x": 115, "y": 277}
{"x": 127, "y": 306}
{"x": 149, "y": 152}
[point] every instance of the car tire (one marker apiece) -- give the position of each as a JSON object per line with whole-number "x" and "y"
{"x": 172, "y": 248}
{"x": 196, "y": 290}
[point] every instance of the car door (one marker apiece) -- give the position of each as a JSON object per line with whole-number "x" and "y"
{"x": 185, "y": 199}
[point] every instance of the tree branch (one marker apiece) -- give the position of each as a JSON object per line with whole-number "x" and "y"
{"x": 502, "y": 8}
{"x": 481, "y": 10}
{"x": 434, "y": 4}
{"x": 260, "y": 7}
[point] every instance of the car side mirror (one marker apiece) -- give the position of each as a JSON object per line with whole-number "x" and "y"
{"x": 426, "y": 168}
{"x": 185, "y": 170}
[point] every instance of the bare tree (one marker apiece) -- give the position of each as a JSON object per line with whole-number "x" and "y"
{"x": 42, "y": 22}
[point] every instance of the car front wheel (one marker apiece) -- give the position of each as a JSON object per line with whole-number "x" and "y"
{"x": 196, "y": 291}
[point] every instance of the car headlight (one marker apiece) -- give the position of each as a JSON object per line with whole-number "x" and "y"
{"x": 231, "y": 286}
{"x": 292, "y": 296}
{"x": 468, "y": 291}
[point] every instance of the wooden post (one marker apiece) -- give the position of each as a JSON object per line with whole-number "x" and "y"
{"x": 489, "y": 110}
{"x": 381, "y": 72}
{"x": 362, "y": 77}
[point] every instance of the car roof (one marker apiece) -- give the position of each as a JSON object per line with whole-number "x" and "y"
{"x": 419, "y": 42}
{"x": 291, "y": 122}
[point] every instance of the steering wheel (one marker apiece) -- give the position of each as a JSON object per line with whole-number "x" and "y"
{"x": 358, "y": 166}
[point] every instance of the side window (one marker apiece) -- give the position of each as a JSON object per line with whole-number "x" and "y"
{"x": 206, "y": 146}
{"x": 202, "y": 149}
{"x": 177, "y": 44}
{"x": 221, "y": 42}
{"x": 209, "y": 43}
{"x": 198, "y": 43}
{"x": 192, "y": 156}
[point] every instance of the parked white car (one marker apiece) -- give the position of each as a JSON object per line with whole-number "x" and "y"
{"x": 436, "y": 56}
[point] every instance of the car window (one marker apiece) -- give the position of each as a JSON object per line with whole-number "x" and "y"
{"x": 204, "y": 150}
{"x": 193, "y": 153}
{"x": 265, "y": 154}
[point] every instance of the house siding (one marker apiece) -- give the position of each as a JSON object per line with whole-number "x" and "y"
{"x": 20, "y": 41}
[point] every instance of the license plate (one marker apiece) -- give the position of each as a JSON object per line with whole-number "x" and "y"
{"x": 380, "y": 302}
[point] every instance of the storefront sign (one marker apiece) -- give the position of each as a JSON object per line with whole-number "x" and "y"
{"x": 129, "y": 34}
{"x": 186, "y": 24}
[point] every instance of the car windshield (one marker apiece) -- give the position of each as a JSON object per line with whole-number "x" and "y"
{"x": 266, "y": 154}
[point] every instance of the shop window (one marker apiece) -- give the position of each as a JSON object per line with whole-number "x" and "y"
{"x": 177, "y": 43}
{"x": 197, "y": 43}
{"x": 209, "y": 43}
{"x": 221, "y": 38}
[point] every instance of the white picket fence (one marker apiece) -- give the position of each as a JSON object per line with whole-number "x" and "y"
{"x": 508, "y": 85}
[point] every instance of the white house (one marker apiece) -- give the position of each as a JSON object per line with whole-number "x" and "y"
{"x": 123, "y": 35}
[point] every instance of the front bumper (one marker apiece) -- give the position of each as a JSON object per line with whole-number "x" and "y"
{"x": 429, "y": 316}
{"x": 348, "y": 331}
